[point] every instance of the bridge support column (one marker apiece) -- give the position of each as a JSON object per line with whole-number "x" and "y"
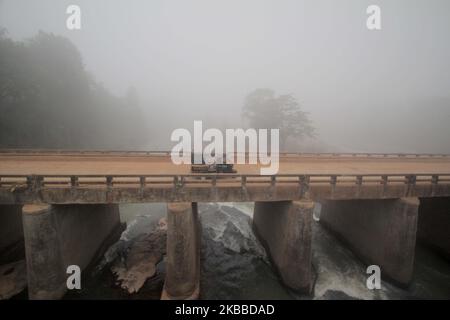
{"x": 183, "y": 252}
{"x": 57, "y": 236}
{"x": 284, "y": 228}
{"x": 11, "y": 232}
{"x": 434, "y": 224}
{"x": 380, "y": 232}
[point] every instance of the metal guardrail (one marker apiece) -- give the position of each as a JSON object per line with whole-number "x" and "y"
{"x": 81, "y": 152}
{"x": 168, "y": 153}
{"x": 35, "y": 182}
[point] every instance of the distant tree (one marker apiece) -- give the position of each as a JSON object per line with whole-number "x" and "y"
{"x": 49, "y": 100}
{"x": 264, "y": 109}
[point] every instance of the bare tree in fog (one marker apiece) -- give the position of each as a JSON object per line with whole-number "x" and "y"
{"x": 264, "y": 109}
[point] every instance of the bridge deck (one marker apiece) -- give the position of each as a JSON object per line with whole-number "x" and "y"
{"x": 96, "y": 177}
{"x": 113, "y": 164}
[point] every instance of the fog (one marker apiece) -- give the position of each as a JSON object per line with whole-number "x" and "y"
{"x": 372, "y": 91}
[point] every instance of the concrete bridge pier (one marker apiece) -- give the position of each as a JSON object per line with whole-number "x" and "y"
{"x": 57, "y": 236}
{"x": 380, "y": 232}
{"x": 183, "y": 252}
{"x": 284, "y": 228}
{"x": 434, "y": 224}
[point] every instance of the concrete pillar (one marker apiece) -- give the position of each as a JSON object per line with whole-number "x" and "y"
{"x": 183, "y": 252}
{"x": 11, "y": 233}
{"x": 434, "y": 224}
{"x": 57, "y": 236}
{"x": 284, "y": 228}
{"x": 45, "y": 268}
{"x": 380, "y": 232}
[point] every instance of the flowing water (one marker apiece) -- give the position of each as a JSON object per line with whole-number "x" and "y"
{"x": 234, "y": 265}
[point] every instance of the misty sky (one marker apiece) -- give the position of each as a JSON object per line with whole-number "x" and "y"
{"x": 380, "y": 91}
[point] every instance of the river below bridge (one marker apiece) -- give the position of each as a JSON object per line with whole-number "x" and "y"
{"x": 234, "y": 265}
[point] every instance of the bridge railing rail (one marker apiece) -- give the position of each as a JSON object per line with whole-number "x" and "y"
{"x": 155, "y": 153}
{"x": 215, "y": 180}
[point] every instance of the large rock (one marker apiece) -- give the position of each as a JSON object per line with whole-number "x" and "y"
{"x": 141, "y": 259}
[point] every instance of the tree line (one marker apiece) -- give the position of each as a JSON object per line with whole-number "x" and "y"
{"x": 49, "y": 100}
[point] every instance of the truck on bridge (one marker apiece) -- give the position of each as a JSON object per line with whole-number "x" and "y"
{"x": 215, "y": 167}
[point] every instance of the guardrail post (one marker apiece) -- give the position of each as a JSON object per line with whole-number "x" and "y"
{"x": 384, "y": 183}
{"x": 333, "y": 180}
{"x": 178, "y": 181}
{"x": 39, "y": 182}
{"x": 304, "y": 185}
{"x": 109, "y": 182}
{"x": 30, "y": 182}
{"x": 434, "y": 183}
{"x": 142, "y": 182}
{"x": 273, "y": 181}
{"x": 411, "y": 182}
{"x": 359, "y": 180}
{"x": 435, "y": 179}
{"x": 34, "y": 182}
{"x": 141, "y": 186}
{"x": 74, "y": 181}
{"x": 243, "y": 181}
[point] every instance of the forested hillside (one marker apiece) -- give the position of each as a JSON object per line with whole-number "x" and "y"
{"x": 49, "y": 100}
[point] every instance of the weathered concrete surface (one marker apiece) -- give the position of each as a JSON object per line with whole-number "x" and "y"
{"x": 59, "y": 236}
{"x": 183, "y": 252}
{"x": 11, "y": 231}
{"x": 226, "y": 190}
{"x": 434, "y": 224}
{"x": 45, "y": 267}
{"x": 284, "y": 227}
{"x": 380, "y": 232}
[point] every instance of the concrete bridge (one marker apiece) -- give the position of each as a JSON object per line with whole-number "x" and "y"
{"x": 64, "y": 204}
